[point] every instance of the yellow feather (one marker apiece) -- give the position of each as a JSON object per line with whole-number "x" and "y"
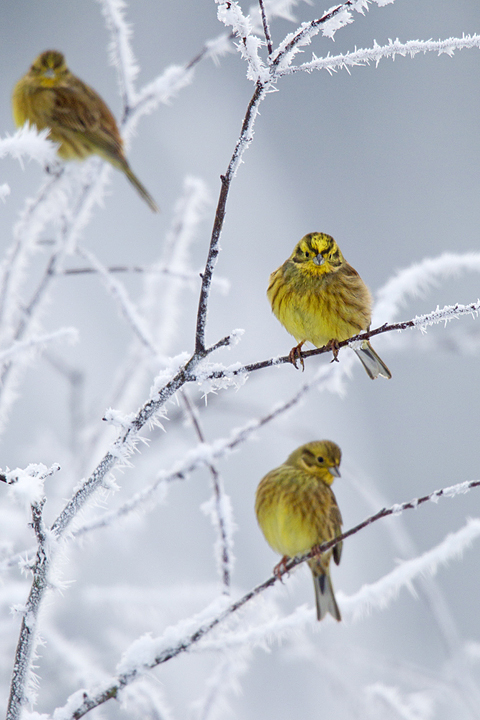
{"x": 297, "y": 510}
{"x": 318, "y": 297}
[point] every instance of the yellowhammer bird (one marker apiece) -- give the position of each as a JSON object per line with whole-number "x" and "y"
{"x": 50, "y": 96}
{"x": 318, "y": 297}
{"x": 297, "y": 510}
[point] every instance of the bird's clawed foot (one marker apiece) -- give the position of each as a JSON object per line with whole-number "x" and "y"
{"x": 296, "y": 354}
{"x": 281, "y": 568}
{"x": 334, "y": 347}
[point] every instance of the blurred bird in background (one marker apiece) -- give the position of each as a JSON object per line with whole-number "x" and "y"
{"x": 50, "y": 96}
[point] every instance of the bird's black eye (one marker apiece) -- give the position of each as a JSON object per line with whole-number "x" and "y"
{"x": 320, "y": 460}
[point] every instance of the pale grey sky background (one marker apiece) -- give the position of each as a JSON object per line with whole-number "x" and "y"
{"x": 387, "y": 161}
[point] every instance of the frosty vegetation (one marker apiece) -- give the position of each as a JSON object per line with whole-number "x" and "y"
{"x": 234, "y": 621}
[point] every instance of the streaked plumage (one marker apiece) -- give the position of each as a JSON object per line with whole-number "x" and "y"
{"x": 50, "y": 96}
{"x": 318, "y": 297}
{"x": 297, "y": 510}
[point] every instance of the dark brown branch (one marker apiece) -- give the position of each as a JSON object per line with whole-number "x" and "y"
{"x": 303, "y": 32}
{"x": 266, "y": 28}
{"x": 213, "y": 250}
{"x": 311, "y": 353}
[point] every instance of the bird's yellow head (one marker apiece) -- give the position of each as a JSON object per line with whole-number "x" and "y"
{"x": 320, "y": 458}
{"x": 49, "y": 68}
{"x": 317, "y": 253}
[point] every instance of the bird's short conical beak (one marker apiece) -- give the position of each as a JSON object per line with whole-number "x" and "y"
{"x": 335, "y": 471}
{"x": 319, "y": 259}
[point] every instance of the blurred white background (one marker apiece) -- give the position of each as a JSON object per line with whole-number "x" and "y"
{"x": 386, "y": 159}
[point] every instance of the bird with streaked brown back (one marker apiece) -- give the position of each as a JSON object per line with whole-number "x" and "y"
{"x": 318, "y": 297}
{"x": 297, "y": 510}
{"x": 50, "y": 96}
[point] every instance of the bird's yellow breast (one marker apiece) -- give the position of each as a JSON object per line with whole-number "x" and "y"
{"x": 293, "y": 511}
{"x": 319, "y": 308}
{"x": 32, "y": 103}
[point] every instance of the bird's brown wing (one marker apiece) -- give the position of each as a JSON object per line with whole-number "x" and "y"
{"x": 336, "y": 520}
{"x": 79, "y": 109}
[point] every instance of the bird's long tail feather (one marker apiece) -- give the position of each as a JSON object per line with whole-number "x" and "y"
{"x": 325, "y": 598}
{"x": 372, "y": 363}
{"x": 143, "y": 192}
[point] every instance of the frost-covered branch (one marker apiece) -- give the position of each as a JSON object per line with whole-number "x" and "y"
{"x": 51, "y": 201}
{"x": 218, "y": 507}
{"x": 447, "y": 313}
{"x": 31, "y": 144}
{"x": 266, "y": 27}
{"x": 365, "y": 56}
{"x": 374, "y": 596}
{"x": 332, "y": 20}
{"x": 196, "y": 458}
{"x": 121, "y": 53}
{"x": 38, "y": 341}
{"x": 29, "y": 483}
{"x": 420, "y": 277}
{"x": 185, "y": 275}
{"x": 126, "y": 442}
{"x": 246, "y": 137}
{"x": 147, "y": 652}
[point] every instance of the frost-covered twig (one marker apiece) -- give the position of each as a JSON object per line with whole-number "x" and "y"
{"x": 185, "y": 275}
{"x": 147, "y": 653}
{"x": 246, "y": 137}
{"x": 126, "y": 442}
{"x": 21, "y": 686}
{"x": 419, "y": 277}
{"x": 449, "y": 312}
{"x": 373, "y": 596}
{"x": 36, "y": 341}
{"x": 72, "y": 221}
{"x": 266, "y": 27}
{"x": 219, "y": 508}
{"x": 195, "y": 459}
{"x": 365, "y": 56}
{"x": 331, "y": 21}
{"x": 397, "y": 509}
{"x": 121, "y": 53}
{"x": 30, "y": 143}
{"x": 36, "y": 214}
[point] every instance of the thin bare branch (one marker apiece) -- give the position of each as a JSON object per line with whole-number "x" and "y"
{"x": 437, "y": 316}
{"x": 220, "y": 522}
{"x": 266, "y": 28}
{"x": 242, "y": 144}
